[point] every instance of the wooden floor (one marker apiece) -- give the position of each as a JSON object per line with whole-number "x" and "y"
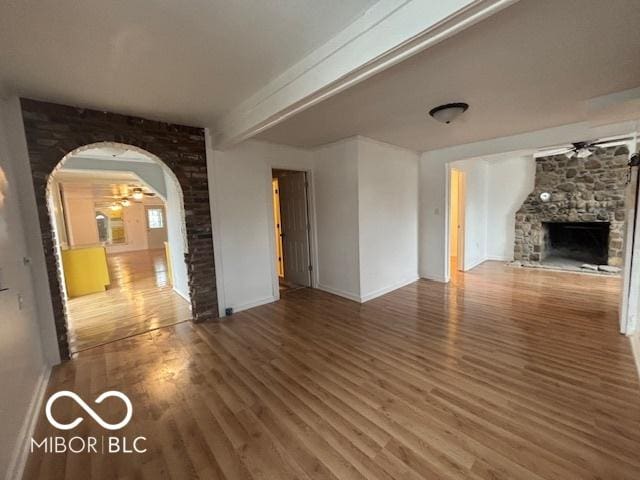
{"x": 506, "y": 373}
{"x": 140, "y": 298}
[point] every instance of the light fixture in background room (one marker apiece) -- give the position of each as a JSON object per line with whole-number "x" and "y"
{"x": 448, "y": 112}
{"x": 138, "y": 194}
{"x": 115, "y": 206}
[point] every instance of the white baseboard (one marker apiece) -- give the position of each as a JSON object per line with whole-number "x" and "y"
{"x": 340, "y": 293}
{"x": 475, "y": 264}
{"x": 500, "y": 258}
{"x": 23, "y": 440}
{"x": 253, "y": 304}
{"x": 635, "y": 348}
{"x": 385, "y": 290}
{"x": 186, "y": 297}
{"x": 434, "y": 277}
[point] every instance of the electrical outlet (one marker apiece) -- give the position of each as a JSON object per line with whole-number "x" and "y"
{"x": 20, "y": 301}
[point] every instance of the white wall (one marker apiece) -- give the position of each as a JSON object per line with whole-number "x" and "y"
{"x": 388, "y": 217}
{"x": 495, "y": 189}
{"x": 24, "y": 367}
{"x": 79, "y": 207}
{"x": 432, "y": 217}
{"x": 336, "y": 195}
{"x": 19, "y": 157}
{"x": 135, "y": 228}
{"x": 510, "y": 180}
{"x": 176, "y": 235}
{"x": 151, "y": 173}
{"x": 475, "y": 211}
{"x": 363, "y": 199}
{"x": 242, "y": 208}
{"x": 433, "y": 228}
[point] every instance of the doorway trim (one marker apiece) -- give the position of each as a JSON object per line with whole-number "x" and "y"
{"x": 53, "y": 131}
{"x": 311, "y": 213}
{"x": 447, "y": 223}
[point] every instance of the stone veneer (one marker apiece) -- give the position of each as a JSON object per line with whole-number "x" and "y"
{"x": 588, "y": 189}
{"x": 53, "y": 131}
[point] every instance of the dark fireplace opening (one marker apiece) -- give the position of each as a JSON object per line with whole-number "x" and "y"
{"x": 584, "y": 242}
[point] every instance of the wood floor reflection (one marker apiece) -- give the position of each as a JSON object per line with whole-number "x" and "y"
{"x": 503, "y": 374}
{"x": 139, "y": 299}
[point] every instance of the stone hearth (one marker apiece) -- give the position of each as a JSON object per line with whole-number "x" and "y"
{"x": 583, "y": 191}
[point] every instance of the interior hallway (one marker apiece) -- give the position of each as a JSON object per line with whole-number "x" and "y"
{"x": 139, "y": 299}
{"x": 504, "y": 373}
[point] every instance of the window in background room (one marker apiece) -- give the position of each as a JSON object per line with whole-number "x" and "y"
{"x": 155, "y": 219}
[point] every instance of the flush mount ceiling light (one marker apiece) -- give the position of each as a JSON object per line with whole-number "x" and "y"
{"x": 449, "y": 112}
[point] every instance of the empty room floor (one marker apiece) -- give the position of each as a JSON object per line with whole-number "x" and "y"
{"x": 505, "y": 373}
{"x": 140, "y": 298}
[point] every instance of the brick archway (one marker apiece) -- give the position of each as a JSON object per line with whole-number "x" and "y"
{"x": 53, "y": 131}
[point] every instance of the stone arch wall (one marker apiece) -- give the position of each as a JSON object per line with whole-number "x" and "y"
{"x": 53, "y": 131}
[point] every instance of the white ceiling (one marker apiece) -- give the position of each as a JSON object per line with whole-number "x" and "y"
{"x": 529, "y": 67}
{"x": 101, "y": 186}
{"x": 114, "y": 154}
{"x": 179, "y": 61}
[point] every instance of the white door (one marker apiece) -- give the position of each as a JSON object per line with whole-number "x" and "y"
{"x": 295, "y": 225}
{"x": 156, "y": 226}
{"x": 630, "y": 298}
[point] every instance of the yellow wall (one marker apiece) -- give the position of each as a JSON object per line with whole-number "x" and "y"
{"x": 85, "y": 270}
{"x": 454, "y": 214}
{"x": 277, "y": 220}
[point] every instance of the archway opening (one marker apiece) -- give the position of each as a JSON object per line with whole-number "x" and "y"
{"x": 53, "y": 131}
{"x": 119, "y": 231}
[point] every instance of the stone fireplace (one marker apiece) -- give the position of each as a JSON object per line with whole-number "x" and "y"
{"x": 582, "y": 223}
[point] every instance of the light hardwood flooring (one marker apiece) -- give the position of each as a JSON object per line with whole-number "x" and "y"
{"x": 140, "y": 298}
{"x": 505, "y": 373}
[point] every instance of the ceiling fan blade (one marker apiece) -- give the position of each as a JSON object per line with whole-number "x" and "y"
{"x": 547, "y": 152}
{"x": 611, "y": 142}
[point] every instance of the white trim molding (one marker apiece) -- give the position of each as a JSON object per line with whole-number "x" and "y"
{"x": 340, "y": 293}
{"x": 390, "y": 288}
{"x": 635, "y": 348}
{"x": 21, "y": 450}
{"x": 434, "y": 277}
{"x": 387, "y": 33}
{"x": 475, "y": 263}
{"x": 254, "y": 303}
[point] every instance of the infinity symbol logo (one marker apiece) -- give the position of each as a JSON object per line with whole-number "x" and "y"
{"x": 89, "y": 410}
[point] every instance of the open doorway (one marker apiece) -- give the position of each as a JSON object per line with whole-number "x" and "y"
{"x": 111, "y": 220}
{"x": 456, "y": 220}
{"x": 292, "y": 229}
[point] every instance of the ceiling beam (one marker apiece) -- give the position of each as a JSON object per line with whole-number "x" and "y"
{"x": 389, "y": 32}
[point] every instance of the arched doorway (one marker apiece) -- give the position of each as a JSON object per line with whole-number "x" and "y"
{"x": 54, "y": 131}
{"x": 118, "y": 219}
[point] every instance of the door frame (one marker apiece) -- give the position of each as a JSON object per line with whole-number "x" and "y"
{"x": 630, "y": 296}
{"x": 311, "y": 214}
{"x": 461, "y": 220}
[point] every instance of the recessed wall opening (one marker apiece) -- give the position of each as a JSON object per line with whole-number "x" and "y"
{"x": 575, "y": 242}
{"x": 292, "y": 229}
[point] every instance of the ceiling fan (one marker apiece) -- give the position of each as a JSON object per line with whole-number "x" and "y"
{"x": 138, "y": 193}
{"x": 583, "y": 149}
